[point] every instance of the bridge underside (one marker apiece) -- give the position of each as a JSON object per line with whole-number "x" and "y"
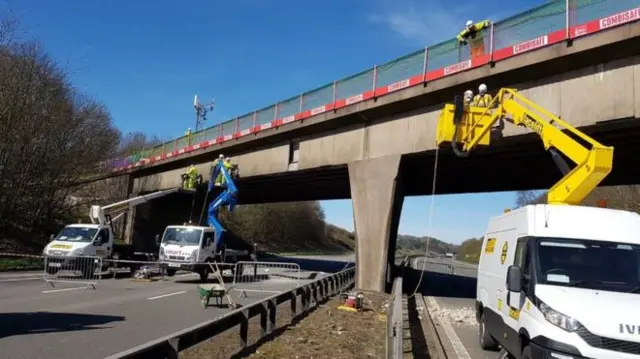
{"x": 512, "y": 164}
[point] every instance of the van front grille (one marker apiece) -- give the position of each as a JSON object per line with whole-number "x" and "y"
{"x": 615, "y": 345}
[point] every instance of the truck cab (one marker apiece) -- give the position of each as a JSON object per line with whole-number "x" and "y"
{"x": 190, "y": 248}
{"x": 561, "y": 281}
{"x": 75, "y": 241}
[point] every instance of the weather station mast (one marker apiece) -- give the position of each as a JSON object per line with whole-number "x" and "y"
{"x": 201, "y": 111}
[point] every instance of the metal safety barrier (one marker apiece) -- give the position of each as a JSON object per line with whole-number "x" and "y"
{"x": 270, "y": 277}
{"x": 77, "y": 269}
{"x": 435, "y": 267}
{"x": 308, "y": 296}
{"x": 395, "y": 324}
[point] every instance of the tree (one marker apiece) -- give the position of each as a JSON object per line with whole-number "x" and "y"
{"x": 284, "y": 226}
{"x": 50, "y": 136}
{"x": 524, "y": 198}
{"x": 133, "y": 142}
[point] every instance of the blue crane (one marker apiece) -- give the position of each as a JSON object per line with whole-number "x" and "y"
{"x": 227, "y": 197}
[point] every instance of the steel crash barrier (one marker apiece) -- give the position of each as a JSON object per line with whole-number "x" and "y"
{"x": 553, "y": 22}
{"x": 435, "y": 267}
{"x": 308, "y": 295}
{"x": 395, "y": 324}
{"x": 78, "y": 270}
{"x": 267, "y": 277}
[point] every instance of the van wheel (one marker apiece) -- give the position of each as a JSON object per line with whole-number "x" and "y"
{"x": 526, "y": 353}
{"x": 487, "y": 342}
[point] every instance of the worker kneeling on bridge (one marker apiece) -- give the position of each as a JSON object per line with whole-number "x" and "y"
{"x": 473, "y": 35}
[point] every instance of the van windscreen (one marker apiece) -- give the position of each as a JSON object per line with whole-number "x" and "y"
{"x": 589, "y": 264}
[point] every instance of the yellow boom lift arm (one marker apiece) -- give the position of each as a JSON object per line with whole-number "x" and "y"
{"x": 471, "y": 126}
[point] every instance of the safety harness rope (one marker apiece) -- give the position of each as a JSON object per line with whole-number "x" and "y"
{"x": 431, "y": 206}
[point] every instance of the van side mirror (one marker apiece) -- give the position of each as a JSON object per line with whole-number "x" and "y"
{"x": 51, "y": 237}
{"x": 514, "y": 279}
{"x": 157, "y": 239}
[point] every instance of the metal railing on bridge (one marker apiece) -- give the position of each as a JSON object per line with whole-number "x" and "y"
{"x": 553, "y": 22}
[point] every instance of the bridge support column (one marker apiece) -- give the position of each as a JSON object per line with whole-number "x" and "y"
{"x": 377, "y": 199}
{"x": 130, "y": 216}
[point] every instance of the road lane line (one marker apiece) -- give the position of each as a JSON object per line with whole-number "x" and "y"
{"x": 62, "y": 290}
{"x": 456, "y": 343}
{"x": 166, "y": 295}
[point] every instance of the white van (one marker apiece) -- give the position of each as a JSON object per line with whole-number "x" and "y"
{"x": 561, "y": 281}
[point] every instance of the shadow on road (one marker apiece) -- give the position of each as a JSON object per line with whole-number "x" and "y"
{"x": 47, "y": 322}
{"x": 440, "y": 284}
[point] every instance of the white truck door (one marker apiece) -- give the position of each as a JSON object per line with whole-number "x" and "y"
{"x": 208, "y": 245}
{"x": 103, "y": 243}
{"x": 515, "y": 300}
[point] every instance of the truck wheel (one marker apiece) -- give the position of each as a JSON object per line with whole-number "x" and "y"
{"x": 52, "y": 270}
{"x": 171, "y": 272}
{"x": 486, "y": 340}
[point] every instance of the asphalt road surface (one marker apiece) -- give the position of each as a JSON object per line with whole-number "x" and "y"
{"x": 69, "y": 321}
{"x": 449, "y": 288}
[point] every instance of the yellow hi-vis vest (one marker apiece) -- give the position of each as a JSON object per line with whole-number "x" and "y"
{"x": 482, "y": 100}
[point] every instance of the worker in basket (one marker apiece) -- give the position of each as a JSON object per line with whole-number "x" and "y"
{"x": 482, "y": 99}
{"x": 226, "y": 163}
{"x": 190, "y": 178}
{"x": 468, "y": 97}
{"x": 474, "y": 36}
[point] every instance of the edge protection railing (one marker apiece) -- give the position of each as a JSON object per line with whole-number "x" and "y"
{"x": 546, "y": 24}
{"x": 312, "y": 293}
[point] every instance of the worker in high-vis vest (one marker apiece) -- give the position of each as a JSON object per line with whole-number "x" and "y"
{"x": 467, "y": 98}
{"x": 482, "y": 99}
{"x": 474, "y": 36}
{"x": 226, "y": 163}
{"x": 190, "y": 179}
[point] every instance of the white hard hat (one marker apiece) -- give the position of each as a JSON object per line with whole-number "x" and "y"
{"x": 469, "y": 23}
{"x": 221, "y": 156}
{"x": 468, "y": 93}
{"x": 228, "y": 159}
{"x": 482, "y": 88}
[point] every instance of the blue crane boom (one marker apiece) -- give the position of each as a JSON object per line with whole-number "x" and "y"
{"x": 227, "y": 197}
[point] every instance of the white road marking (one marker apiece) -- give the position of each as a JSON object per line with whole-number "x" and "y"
{"x": 19, "y": 279}
{"x": 62, "y": 290}
{"x": 167, "y": 295}
{"x": 456, "y": 343}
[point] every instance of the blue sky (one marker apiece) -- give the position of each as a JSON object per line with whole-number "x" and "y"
{"x": 147, "y": 59}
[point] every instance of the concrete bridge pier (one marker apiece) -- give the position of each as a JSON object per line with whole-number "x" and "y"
{"x": 377, "y": 197}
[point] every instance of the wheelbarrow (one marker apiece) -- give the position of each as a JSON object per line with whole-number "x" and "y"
{"x": 217, "y": 291}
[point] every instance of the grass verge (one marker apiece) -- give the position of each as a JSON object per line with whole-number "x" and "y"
{"x": 325, "y": 332}
{"x": 20, "y": 264}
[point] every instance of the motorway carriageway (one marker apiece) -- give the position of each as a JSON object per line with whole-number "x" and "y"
{"x": 451, "y": 301}
{"x": 69, "y": 321}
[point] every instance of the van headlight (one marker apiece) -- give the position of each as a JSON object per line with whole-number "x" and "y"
{"x": 194, "y": 256}
{"x": 558, "y": 319}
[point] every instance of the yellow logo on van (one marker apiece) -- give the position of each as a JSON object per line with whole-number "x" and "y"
{"x": 62, "y": 246}
{"x": 503, "y": 255}
{"x": 491, "y": 245}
